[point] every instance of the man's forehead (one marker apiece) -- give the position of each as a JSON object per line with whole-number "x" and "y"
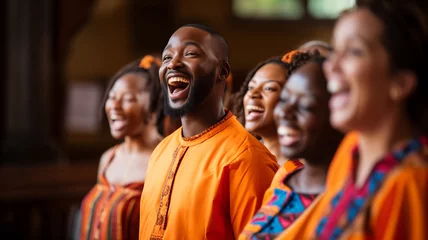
{"x": 190, "y": 34}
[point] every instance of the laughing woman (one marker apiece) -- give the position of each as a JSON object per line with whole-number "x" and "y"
{"x": 256, "y": 100}
{"x": 378, "y": 77}
{"x": 302, "y": 117}
{"x": 134, "y": 108}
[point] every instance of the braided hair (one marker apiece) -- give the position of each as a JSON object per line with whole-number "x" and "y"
{"x": 299, "y": 59}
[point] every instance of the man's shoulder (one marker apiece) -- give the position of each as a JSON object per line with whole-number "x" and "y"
{"x": 244, "y": 146}
{"x": 236, "y": 134}
{"x": 168, "y": 142}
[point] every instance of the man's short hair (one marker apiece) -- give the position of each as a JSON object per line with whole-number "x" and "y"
{"x": 215, "y": 34}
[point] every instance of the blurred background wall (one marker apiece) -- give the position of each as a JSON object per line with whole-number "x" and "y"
{"x": 58, "y": 56}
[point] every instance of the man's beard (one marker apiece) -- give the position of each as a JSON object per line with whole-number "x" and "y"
{"x": 198, "y": 91}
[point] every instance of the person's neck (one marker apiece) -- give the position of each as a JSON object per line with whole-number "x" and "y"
{"x": 271, "y": 142}
{"x": 202, "y": 118}
{"x": 311, "y": 179}
{"x": 147, "y": 140}
{"x": 376, "y": 141}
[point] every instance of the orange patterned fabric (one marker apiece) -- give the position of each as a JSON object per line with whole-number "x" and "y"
{"x": 281, "y": 206}
{"x": 207, "y": 186}
{"x": 111, "y": 211}
{"x": 397, "y": 211}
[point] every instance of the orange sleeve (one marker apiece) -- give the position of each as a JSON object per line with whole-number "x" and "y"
{"x": 279, "y": 175}
{"x": 250, "y": 176}
{"x": 401, "y": 210}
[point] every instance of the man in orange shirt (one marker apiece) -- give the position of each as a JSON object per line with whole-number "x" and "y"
{"x": 207, "y": 179}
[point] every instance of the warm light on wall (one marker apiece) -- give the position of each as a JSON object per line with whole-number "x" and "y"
{"x": 290, "y": 9}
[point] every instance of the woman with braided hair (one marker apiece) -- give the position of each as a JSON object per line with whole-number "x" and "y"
{"x": 133, "y": 104}
{"x": 302, "y": 119}
{"x": 256, "y": 100}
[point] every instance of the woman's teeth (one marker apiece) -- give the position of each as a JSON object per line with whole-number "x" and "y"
{"x": 255, "y": 108}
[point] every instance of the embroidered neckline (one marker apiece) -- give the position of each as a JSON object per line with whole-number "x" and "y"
{"x": 206, "y": 131}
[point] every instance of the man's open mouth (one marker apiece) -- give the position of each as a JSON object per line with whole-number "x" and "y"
{"x": 178, "y": 87}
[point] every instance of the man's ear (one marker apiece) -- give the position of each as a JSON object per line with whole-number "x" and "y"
{"x": 224, "y": 71}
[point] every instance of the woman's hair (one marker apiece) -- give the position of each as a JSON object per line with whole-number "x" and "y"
{"x": 148, "y": 68}
{"x": 290, "y": 62}
{"x": 301, "y": 58}
{"x": 238, "y": 98}
{"x": 405, "y": 35}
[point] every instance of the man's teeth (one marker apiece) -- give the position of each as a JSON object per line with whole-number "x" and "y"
{"x": 255, "y": 108}
{"x": 174, "y": 80}
{"x": 334, "y": 86}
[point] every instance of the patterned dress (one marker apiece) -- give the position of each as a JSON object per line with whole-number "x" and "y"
{"x": 111, "y": 211}
{"x": 352, "y": 204}
{"x": 282, "y": 206}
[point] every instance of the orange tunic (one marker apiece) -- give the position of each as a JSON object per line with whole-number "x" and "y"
{"x": 398, "y": 210}
{"x": 207, "y": 186}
